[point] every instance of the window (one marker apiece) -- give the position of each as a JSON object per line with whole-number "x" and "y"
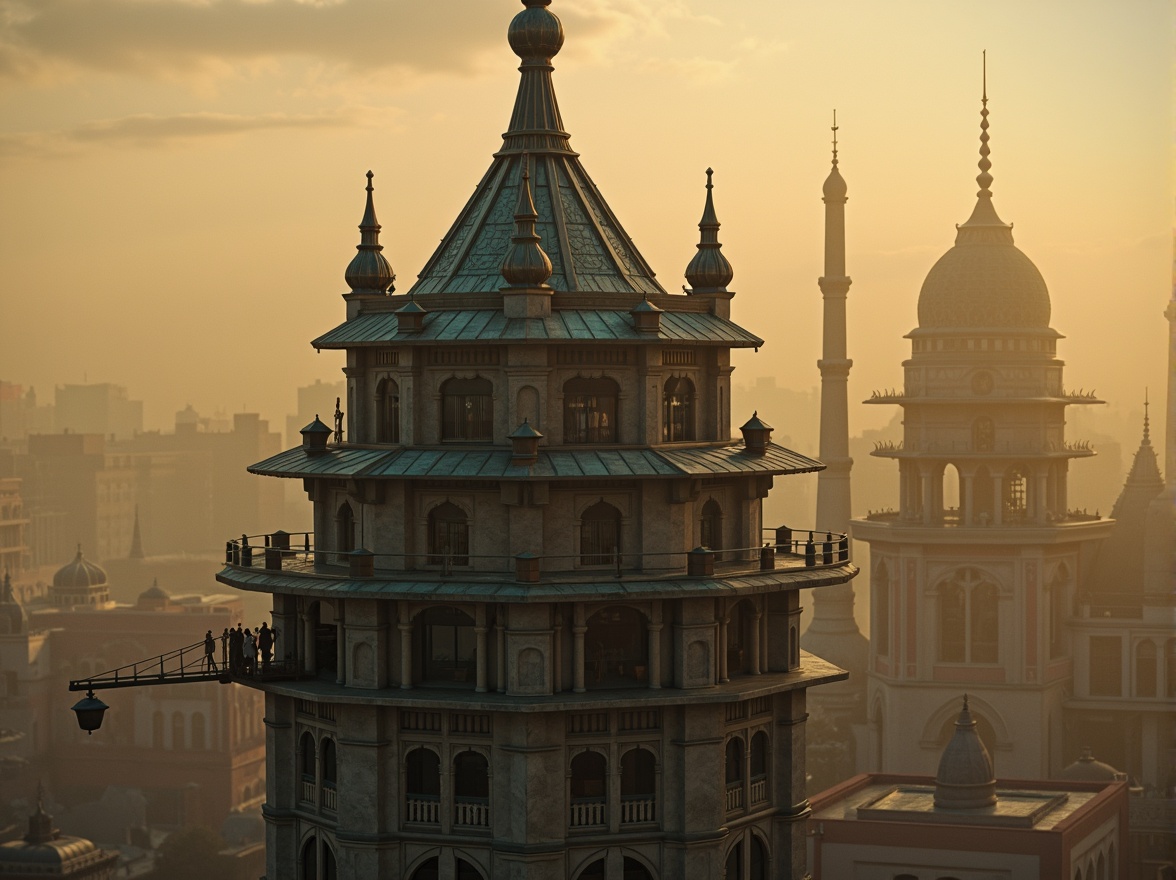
{"x": 330, "y": 872}
{"x": 310, "y": 860}
{"x": 983, "y": 435}
{"x": 734, "y": 869}
{"x": 969, "y": 619}
{"x": 1016, "y": 498}
{"x": 638, "y": 786}
{"x": 734, "y": 761}
{"x": 467, "y": 410}
{"x": 471, "y": 790}
{"x": 306, "y": 762}
{"x": 588, "y": 787}
{"x": 590, "y": 411}
{"x": 448, "y": 646}
{"x": 449, "y": 535}
{"x": 678, "y": 410}
{"x": 600, "y": 534}
{"x": 422, "y": 786}
{"x": 430, "y": 870}
{"x": 1057, "y": 613}
{"x": 711, "y": 528}
{"x": 388, "y": 412}
{"x": 595, "y": 871}
{"x": 616, "y": 648}
{"x": 1106, "y": 666}
{"x": 631, "y": 869}
{"x": 759, "y": 756}
{"x": 329, "y": 762}
{"x": 758, "y": 867}
{"x": 466, "y": 871}
{"x": 344, "y": 531}
{"x": 881, "y": 629}
{"x": 742, "y": 619}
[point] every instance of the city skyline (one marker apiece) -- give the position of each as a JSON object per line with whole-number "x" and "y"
{"x": 213, "y": 183}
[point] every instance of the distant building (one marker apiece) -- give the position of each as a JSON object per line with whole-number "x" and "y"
{"x": 963, "y": 823}
{"x": 15, "y": 553}
{"x": 21, "y": 415}
{"x": 102, "y": 408}
{"x": 46, "y": 852}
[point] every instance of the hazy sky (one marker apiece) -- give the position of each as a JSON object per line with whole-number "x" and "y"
{"x": 181, "y": 180}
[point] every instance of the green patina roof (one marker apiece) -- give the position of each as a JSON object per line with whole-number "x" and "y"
{"x": 555, "y": 464}
{"x": 563, "y": 325}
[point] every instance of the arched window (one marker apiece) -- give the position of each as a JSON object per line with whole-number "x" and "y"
{"x": 157, "y": 730}
{"x": 467, "y": 410}
{"x": 309, "y": 772}
{"x": 388, "y": 412}
{"x": 310, "y": 859}
{"x": 422, "y": 786}
{"x": 1015, "y": 495}
{"x": 983, "y": 503}
{"x": 588, "y": 784}
{"x": 600, "y": 534}
{"x": 344, "y": 531}
{"x": 466, "y": 871}
{"x": 711, "y": 528}
{"x": 429, "y": 870}
{"x": 739, "y": 626}
{"x": 471, "y": 790}
{"x": 1145, "y": 669}
{"x": 326, "y": 638}
{"x": 330, "y": 872}
{"x": 758, "y": 863}
{"x": 880, "y": 632}
{"x": 759, "y": 768}
{"x": 969, "y": 619}
{"x": 449, "y": 535}
{"x": 177, "y": 731}
{"x": 678, "y": 410}
{"x": 590, "y": 411}
{"x": 595, "y": 871}
{"x": 634, "y": 870}
{"x": 638, "y": 786}
{"x": 983, "y": 435}
{"x": 734, "y": 867}
{"x": 616, "y": 648}
{"x": 197, "y": 738}
{"x": 329, "y": 771}
{"x": 448, "y": 646}
{"x": 733, "y": 774}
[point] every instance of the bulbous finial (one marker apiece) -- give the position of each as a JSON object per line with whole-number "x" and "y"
{"x": 984, "y": 178}
{"x": 984, "y": 224}
{"x": 369, "y": 271}
{"x": 709, "y": 271}
{"x": 834, "y": 187}
{"x": 1146, "y": 418}
{"x": 526, "y": 264}
{"x": 536, "y": 34}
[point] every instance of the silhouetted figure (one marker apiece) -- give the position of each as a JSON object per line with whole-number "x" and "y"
{"x": 224, "y": 639}
{"x": 236, "y": 647}
{"x": 209, "y": 652}
{"x": 265, "y": 642}
{"x": 249, "y": 652}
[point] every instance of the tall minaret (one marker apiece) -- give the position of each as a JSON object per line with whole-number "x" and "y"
{"x": 1170, "y": 415}
{"x": 833, "y": 633}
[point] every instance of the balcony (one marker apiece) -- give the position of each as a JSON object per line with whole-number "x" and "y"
{"x": 734, "y": 796}
{"x": 588, "y": 813}
{"x": 636, "y": 810}
{"x": 422, "y": 809}
{"x": 330, "y": 799}
{"x": 471, "y": 812}
{"x": 759, "y": 790}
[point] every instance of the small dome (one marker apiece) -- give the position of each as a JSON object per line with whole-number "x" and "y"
{"x": 965, "y": 780}
{"x": 156, "y": 592}
{"x": 79, "y": 574}
{"x": 536, "y": 32}
{"x": 835, "y": 187}
{"x": 369, "y": 270}
{"x": 709, "y": 271}
{"x": 1087, "y": 769}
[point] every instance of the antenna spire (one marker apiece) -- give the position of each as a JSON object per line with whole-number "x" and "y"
{"x": 984, "y": 178}
{"x": 1146, "y": 418}
{"x": 834, "y": 137}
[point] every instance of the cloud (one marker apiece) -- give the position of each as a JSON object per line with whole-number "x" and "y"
{"x": 150, "y": 130}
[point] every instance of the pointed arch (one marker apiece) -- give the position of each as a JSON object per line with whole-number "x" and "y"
{"x": 947, "y": 713}
{"x": 710, "y": 531}
{"x": 388, "y": 411}
{"x": 344, "y": 530}
{"x": 678, "y": 421}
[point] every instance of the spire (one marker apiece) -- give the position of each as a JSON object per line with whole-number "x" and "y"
{"x": 369, "y": 271}
{"x": 965, "y": 780}
{"x": 526, "y": 264}
{"x": 136, "y": 539}
{"x": 1145, "y": 469}
{"x": 984, "y": 214}
{"x": 41, "y": 828}
{"x": 536, "y": 36}
{"x": 709, "y": 271}
{"x": 1146, "y": 419}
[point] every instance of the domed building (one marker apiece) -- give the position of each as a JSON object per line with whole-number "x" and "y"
{"x": 540, "y": 628}
{"x": 975, "y": 577}
{"x": 46, "y": 852}
{"x": 80, "y": 582}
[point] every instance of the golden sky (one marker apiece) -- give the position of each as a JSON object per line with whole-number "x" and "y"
{"x": 181, "y": 180}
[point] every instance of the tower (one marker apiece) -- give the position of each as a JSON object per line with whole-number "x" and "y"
{"x": 539, "y": 629}
{"x": 833, "y": 633}
{"x": 973, "y": 579}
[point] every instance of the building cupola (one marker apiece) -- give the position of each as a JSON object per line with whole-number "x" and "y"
{"x": 369, "y": 272}
{"x": 965, "y": 780}
{"x": 709, "y": 271}
{"x": 315, "y": 436}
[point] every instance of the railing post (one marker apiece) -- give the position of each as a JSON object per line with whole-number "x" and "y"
{"x": 784, "y": 537}
{"x": 700, "y": 562}
{"x": 362, "y": 563}
{"x": 527, "y": 568}
{"x": 246, "y": 552}
{"x": 810, "y": 552}
{"x": 827, "y": 549}
{"x": 273, "y": 559}
{"x": 767, "y": 557}
{"x": 845, "y": 548}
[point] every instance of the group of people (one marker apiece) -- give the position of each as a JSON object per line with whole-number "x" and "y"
{"x": 243, "y": 652}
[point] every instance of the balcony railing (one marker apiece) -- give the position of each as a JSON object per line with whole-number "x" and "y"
{"x": 330, "y": 799}
{"x": 782, "y": 549}
{"x": 588, "y": 813}
{"x": 635, "y": 810}
{"x": 734, "y": 797}
{"x": 473, "y": 812}
{"x": 423, "y": 809}
{"x": 308, "y": 793}
{"x": 759, "y": 790}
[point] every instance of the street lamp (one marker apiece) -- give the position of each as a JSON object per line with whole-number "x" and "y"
{"x": 90, "y": 711}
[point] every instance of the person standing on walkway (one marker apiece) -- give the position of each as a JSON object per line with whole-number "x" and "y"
{"x": 224, "y": 640}
{"x": 209, "y": 652}
{"x": 236, "y": 656}
{"x": 265, "y": 642}
{"x": 249, "y": 652}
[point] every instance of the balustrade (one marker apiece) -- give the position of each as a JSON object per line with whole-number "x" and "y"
{"x": 422, "y": 809}
{"x": 588, "y": 813}
{"x": 330, "y": 797}
{"x": 637, "y": 809}
{"x": 734, "y": 796}
{"x": 472, "y": 812}
{"x": 759, "y": 790}
{"x": 307, "y": 791}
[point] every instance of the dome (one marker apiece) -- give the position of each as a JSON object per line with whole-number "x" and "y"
{"x": 965, "y": 780}
{"x": 369, "y": 270}
{"x": 155, "y": 591}
{"x": 834, "y": 187}
{"x": 536, "y": 32}
{"x": 79, "y": 574}
{"x": 1087, "y": 769}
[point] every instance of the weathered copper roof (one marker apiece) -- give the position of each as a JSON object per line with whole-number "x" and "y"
{"x": 588, "y": 248}
{"x": 497, "y": 464}
{"x": 579, "y": 325}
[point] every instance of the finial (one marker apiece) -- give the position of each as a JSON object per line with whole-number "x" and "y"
{"x": 709, "y": 271}
{"x": 369, "y": 270}
{"x": 984, "y": 178}
{"x": 1146, "y": 418}
{"x": 834, "y": 137}
{"x": 526, "y": 264}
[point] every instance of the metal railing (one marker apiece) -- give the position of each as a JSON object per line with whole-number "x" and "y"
{"x": 186, "y": 664}
{"x": 782, "y": 548}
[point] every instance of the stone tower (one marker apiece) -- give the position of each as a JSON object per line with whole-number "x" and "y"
{"x": 973, "y": 580}
{"x": 539, "y": 629}
{"x": 833, "y": 633}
